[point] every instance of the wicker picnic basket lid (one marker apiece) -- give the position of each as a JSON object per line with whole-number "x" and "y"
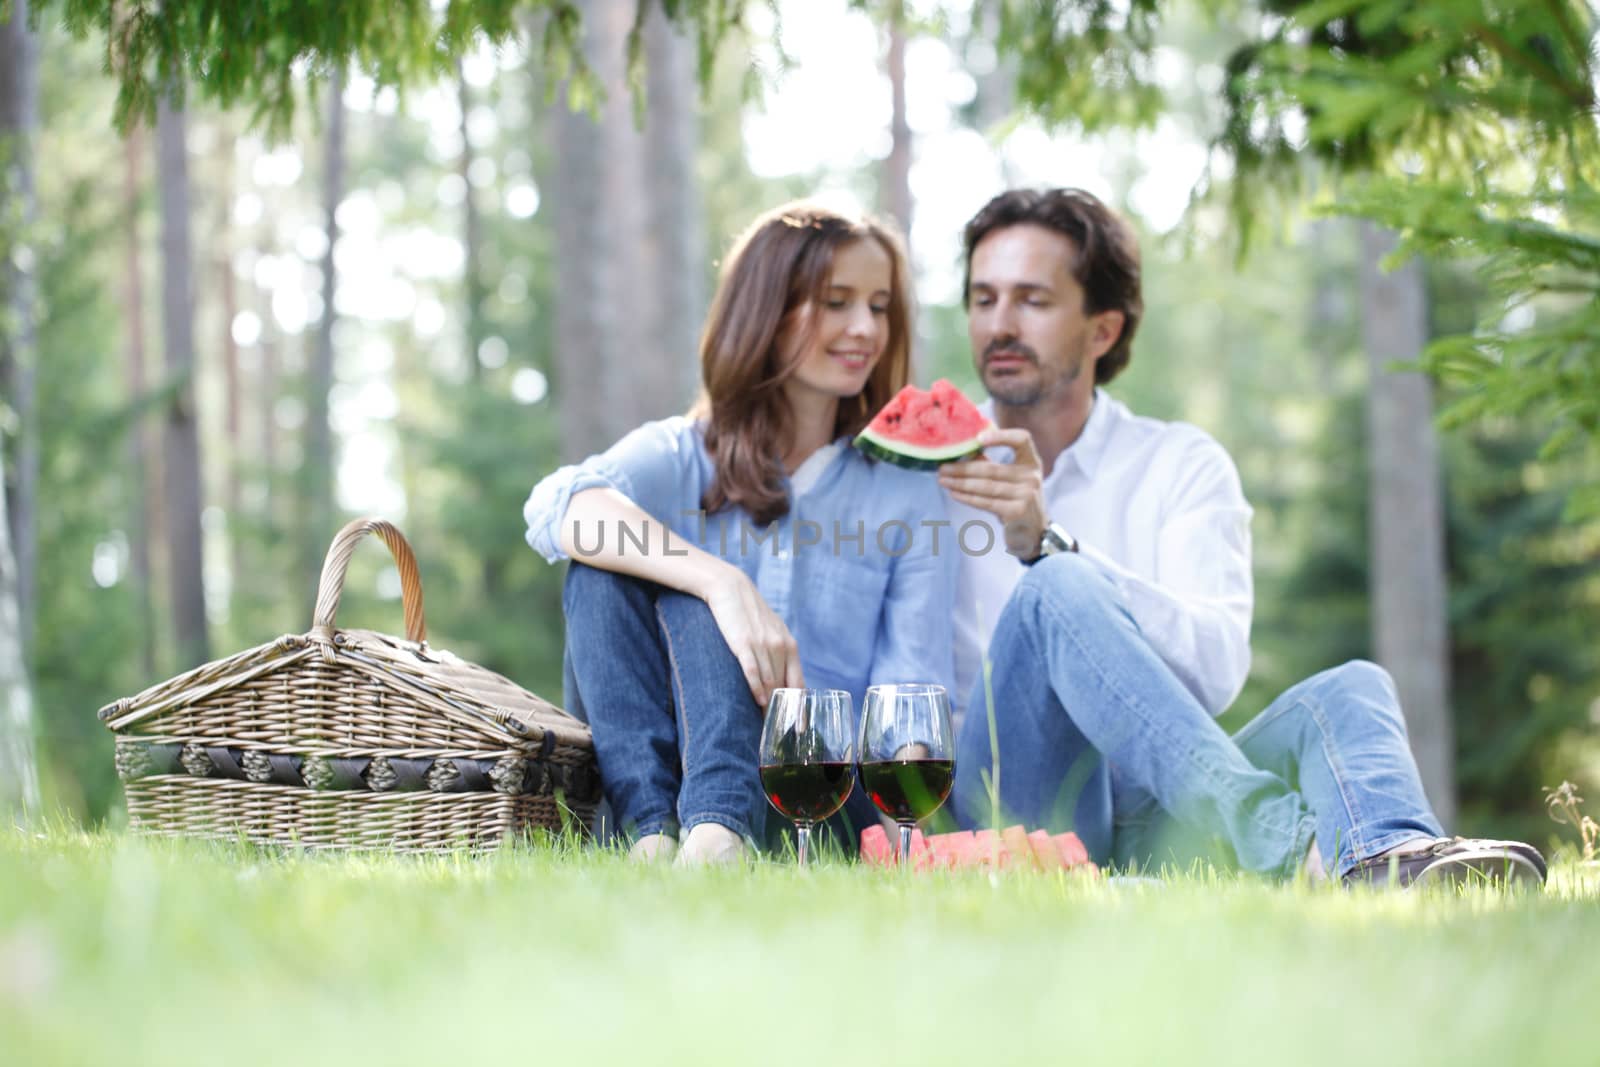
{"x": 351, "y": 692}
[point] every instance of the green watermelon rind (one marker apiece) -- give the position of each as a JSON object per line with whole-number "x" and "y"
{"x": 915, "y": 457}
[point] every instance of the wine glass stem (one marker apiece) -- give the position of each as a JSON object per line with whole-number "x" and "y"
{"x": 802, "y": 835}
{"x": 905, "y": 843}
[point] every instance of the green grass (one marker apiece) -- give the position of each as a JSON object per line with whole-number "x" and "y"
{"x": 119, "y": 950}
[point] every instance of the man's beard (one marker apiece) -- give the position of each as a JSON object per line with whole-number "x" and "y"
{"x": 1021, "y": 392}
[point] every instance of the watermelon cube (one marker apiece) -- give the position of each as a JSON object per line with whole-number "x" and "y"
{"x": 1045, "y": 853}
{"x": 876, "y": 847}
{"x": 1072, "y": 851}
{"x": 954, "y": 850}
{"x": 991, "y": 850}
{"x": 1017, "y": 844}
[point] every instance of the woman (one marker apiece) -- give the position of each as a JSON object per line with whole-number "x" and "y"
{"x": 746, "y": 546}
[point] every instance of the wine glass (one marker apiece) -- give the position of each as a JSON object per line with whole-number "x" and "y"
{"x": 907, "y": 753}
{"x": 807, "y": 757}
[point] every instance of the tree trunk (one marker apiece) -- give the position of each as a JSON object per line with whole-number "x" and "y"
{"x": 895, "y": 189}
{"x": 139, "y": 448}
{"x": 894, "y": 181}
{"x": 627, "y": 237}
{"x": 19, "y": 121}
{"x": 1406, "y": 515}
{"x": 181, "y": 484}
{"x": 676, "y": 214}
{"x": 266, "y": 395}
{"x": 228, "y": 284}
{"x": 319, "y": 458}
{"x": 996, "y": 97}
{"x": 580, "y": 320}
{"x": 472, "y": 239}
{"x": 19, "y": 779}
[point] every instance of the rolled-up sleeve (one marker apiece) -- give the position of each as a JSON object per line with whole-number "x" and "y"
{"x": 655, "y": 466}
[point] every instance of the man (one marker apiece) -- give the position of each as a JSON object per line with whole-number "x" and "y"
{"x": 1116, "y": 621}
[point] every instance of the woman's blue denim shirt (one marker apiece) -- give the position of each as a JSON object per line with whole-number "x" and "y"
{"x": 861, "y": 569}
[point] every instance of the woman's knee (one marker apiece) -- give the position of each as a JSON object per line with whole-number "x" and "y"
{"x": 694, "y": 640}
{"x": 687, "y": 613}
{"x": 591, "y": 596}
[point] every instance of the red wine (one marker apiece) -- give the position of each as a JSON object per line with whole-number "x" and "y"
{"x": 908, "y": 789}
{"x": 808, "y": 792}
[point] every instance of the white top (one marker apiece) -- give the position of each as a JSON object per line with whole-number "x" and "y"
{"x": 813, "y": 467}
{"x": 1156, "y": 504}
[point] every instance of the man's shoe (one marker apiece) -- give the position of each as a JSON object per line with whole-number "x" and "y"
{"x": 1452, "y": 861}
{"x": 1476, "y": 861}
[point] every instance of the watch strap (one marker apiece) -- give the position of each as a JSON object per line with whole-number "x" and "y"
{"x": 1053, "y": 541}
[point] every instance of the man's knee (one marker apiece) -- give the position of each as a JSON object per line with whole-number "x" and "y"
{"x": 1360, "y": 676}
{"x": 1059, "y": 591}
{"x": 1069, "y": 580}
{"x": 1364, "y": 683}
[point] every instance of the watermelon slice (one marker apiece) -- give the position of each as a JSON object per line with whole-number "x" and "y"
{"x": 921, "y": 430}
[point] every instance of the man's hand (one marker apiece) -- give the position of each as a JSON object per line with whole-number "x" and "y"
{"x": 760, "y": 641}
{"x": 1011, "y": 492}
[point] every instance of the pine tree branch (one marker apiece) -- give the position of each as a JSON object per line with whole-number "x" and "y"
{"x": 1575, "y": 41}
{"x": 1582, "y": 98}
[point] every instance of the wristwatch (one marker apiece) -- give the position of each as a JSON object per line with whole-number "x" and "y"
{"x": 1055, "y": 539}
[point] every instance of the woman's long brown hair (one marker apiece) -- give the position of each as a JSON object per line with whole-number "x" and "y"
{"x": 779, "y": 265}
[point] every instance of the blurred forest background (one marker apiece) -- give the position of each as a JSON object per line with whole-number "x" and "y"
{"x": 312, "y": 293}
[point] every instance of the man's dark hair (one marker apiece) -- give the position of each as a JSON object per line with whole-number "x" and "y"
{"x": 1107, "y": 263}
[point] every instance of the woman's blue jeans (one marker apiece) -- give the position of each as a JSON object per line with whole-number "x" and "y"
{"x": 1097, "y": 735}
{"x": 675, "y": 727}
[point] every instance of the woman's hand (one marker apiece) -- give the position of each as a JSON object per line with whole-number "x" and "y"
{"x": 765, "y": 648}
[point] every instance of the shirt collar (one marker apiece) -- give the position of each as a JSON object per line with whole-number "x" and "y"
{"x": 1090, "y": 446}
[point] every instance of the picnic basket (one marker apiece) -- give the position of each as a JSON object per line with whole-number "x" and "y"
{"x": 351, "y": 739}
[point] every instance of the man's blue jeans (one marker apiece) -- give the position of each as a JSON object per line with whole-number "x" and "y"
{"x": 675, "y": 727}
{"x": 1097, "y": 735}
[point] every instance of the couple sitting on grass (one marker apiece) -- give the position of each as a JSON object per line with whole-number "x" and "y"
{"x": 1113, "y": 602}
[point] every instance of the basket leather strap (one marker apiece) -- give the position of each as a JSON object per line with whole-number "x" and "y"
{"x": 348, "y": 772}
{"x": 226, "y": 762}
{"x": 285, "y": 769}
{"x": 410, "y": 775}
{"x": 473, "y": 778}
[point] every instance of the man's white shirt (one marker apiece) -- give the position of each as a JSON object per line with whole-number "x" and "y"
{"x": 1158, "y": 506}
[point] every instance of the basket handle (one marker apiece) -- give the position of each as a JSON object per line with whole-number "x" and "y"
{"x": 331, "y": 585}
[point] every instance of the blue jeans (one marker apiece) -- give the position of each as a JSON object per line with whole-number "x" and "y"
{"x": 1097, "y": 735}
{"x": 675, "y": 727}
